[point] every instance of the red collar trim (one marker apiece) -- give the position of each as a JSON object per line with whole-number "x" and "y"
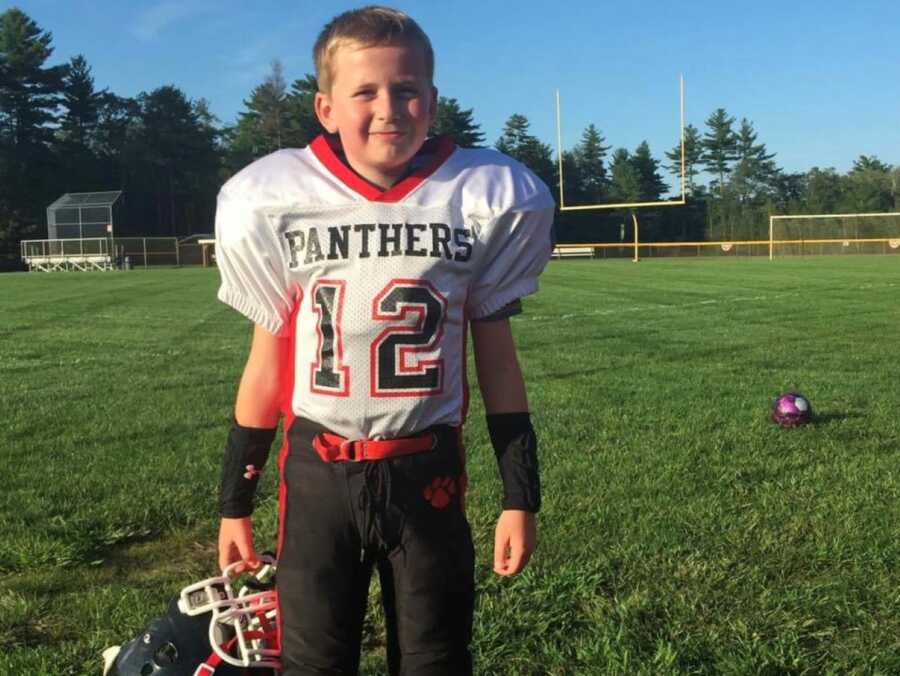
{"x": 326, "y": 149}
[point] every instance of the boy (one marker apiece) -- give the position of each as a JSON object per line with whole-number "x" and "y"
{"x": 362, "y": 259}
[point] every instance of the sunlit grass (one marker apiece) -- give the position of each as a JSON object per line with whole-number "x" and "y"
{"x": 682, "y": 532}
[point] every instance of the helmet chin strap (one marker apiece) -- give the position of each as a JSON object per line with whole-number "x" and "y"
{"x": 208, "y": 668}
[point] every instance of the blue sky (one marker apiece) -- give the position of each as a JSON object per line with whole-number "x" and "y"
{"x": 819, "y": 80}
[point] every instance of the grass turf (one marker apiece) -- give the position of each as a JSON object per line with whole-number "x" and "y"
{"x": 681, "y": 533}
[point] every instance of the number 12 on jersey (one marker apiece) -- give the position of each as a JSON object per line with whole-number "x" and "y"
{"x": 396, "y": 365}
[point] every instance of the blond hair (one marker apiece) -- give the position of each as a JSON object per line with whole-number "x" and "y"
{"x": 371, "y": 26}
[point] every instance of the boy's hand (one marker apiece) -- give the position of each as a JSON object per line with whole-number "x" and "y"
{"x": 236, "y": 544}
{"x": 514, "y": 541}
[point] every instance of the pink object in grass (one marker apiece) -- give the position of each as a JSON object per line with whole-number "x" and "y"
{"x": 791, "y": 409}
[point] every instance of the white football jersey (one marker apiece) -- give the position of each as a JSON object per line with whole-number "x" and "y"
{"x": 378, "y": 287}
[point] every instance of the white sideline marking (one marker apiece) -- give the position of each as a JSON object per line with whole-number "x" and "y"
{"x": 675, "y": 306}
{"x": 644, "y": 308}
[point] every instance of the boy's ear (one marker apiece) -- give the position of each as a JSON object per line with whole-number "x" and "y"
{"x": 324, "y": 110}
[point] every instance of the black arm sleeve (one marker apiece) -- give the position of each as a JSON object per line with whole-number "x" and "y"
{"x": 246, "y": 453}
{"x": 515, "y": 446}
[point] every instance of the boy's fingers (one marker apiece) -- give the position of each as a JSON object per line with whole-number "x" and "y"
{"x": 245, "y": 547}
{"x": 501, "y": 547}
{"x": 236, "y": 544}
{"x": 247, "y": 555}
{"x": 515, "y": 563}
{"x": 515, "y": 556}
{"x": 228, "y": 554}
{"x": 518, "y": 557}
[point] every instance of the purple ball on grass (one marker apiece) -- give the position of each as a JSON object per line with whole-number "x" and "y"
{"x": 791, "y": 409}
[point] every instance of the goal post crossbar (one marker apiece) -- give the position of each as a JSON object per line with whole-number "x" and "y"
{"x": 806, "y": 217}
{"x": 623, "y": 205}
{"x": 800, "y": 217}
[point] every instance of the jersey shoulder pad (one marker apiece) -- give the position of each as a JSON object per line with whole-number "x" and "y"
{"x": 286, "y": 174}
{"x": 500, "y": 183}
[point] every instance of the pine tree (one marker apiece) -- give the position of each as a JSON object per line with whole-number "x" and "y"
{"x": 895, "y": 188}
{"x": 573, "y": 182}
{"x": 755, "y": 171}
{"x": 30, "y": 92}
{"x": 869, "y": 186}
{"x": 518, "y": 143}
{"x": 302, "y": 124}
{"x": 867, "y": 163}
{"x": 749, "y": 149}
{"x": 823, "y": 190}
{"x": 646, "y": 167}
{"x": 271, "y": 99}
{"x": 272, "y": 119}
{"x": 204, "y": 177}
{"x": 515, "y": 135}
{"x": 457, "y": 123}
{"x": 589, "y": 156}
{"x": 79, "y": 169}
{"x": 29, "y": 96}
{"x": 719, "y": 147}
{"x": 538, "y": 156}
{"x": 262, "y": 128}
{"x": 118, "y": 122}
{"x": 693, "y": 154}
{"x": 788, "y": 191}
{"x": 80, "y": 104}
{"x": 174, "y": 143}
{"x": 625, "y": 182}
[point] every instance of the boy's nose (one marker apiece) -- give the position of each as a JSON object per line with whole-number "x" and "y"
{"x": 388, "y": 107}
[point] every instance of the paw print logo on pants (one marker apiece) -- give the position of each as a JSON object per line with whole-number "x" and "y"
{"x": 440, "y": 491}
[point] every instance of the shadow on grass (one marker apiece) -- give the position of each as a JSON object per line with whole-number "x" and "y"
{"x": 564, "y": 375}
{"x": 149, "y": 561}
{"x": 825, "y": 418}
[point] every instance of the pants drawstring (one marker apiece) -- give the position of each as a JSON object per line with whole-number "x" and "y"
{"x": 374, "y": 501}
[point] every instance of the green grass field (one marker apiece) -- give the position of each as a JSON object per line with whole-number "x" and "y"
{"x": 682, "y": 532}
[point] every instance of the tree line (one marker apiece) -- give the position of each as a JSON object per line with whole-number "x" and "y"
{"x": 169, "y": 154}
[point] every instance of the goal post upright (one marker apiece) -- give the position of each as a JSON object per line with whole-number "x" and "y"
{"x": 683, "y": 172}
{"x": 559, "y": 157}
{"x": 771, "y": 238}
{"x": 622, "y": 205}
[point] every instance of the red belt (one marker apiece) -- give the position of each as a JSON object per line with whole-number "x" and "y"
{"x": 334, "y": 448}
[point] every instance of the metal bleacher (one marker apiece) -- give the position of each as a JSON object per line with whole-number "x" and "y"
{"x": 51, "y": 255}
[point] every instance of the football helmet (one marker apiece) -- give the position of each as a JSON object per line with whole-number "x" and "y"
{"x": 221, "y": 626}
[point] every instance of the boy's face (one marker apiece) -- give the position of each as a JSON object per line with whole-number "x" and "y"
{"x": 381, "y": 104}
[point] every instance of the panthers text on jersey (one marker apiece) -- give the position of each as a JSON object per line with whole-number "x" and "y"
{"x": 378, "y": 286}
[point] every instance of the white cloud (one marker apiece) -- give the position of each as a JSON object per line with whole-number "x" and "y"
{"x": 154, "y": 20}
{"x": 250, "y": 64}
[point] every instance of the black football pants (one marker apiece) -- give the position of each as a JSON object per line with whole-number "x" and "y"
{"x": 403, "y": 516}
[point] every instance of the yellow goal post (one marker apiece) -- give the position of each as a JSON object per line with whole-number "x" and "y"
{"x": 842, "y": 233}
{"x": 622, "y": 205}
